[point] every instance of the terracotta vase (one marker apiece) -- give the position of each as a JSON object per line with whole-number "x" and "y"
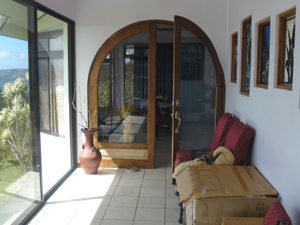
{"x": 89, "y": 157}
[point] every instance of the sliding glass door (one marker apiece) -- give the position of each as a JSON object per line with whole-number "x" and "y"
{"x": 20, "y": 189}
{"x": 35, "y": 109}
{"x": 53, "y": 71}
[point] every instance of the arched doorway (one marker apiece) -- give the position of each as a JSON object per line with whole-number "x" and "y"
{"x": 126, "y": 94}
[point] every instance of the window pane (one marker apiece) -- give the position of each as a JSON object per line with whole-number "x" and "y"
{"x": 44, "y": 93}
{"x": 197, "y": 93}
{"x": 56, "y": 41}
{"x": 19, "y": 170}
{"x": 54, "y": 100}
{"x": 123, "y": 92}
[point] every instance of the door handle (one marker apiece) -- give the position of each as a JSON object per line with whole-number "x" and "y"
{"x": 177, "y": 116}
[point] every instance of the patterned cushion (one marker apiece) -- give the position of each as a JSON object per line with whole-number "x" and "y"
{"x": 183, "y": 156}
{"x": 222, "y": 128}
{"x": 276, "y": 213}
{"x": 239, "y": 139}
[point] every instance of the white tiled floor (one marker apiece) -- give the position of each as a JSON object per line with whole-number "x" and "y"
{"x": 117, "y": 196}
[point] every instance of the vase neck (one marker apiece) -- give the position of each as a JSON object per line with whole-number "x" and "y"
{"x": 89, "y": 137}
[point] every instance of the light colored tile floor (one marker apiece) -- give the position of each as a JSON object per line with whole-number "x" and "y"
{"x": 116, "y": 196}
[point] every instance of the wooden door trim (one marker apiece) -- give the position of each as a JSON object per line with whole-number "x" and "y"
{"x": 151, "y": 94}
{"x": 105, "y": 49}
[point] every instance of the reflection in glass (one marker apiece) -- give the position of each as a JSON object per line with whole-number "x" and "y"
{"x": 53, "y": 89}
{"x": 19, "y": 171}
{"x": 123, "y": 92}
{"x": 198, "y": 93}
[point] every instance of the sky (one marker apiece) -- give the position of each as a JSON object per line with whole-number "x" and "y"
{"x": 13, "y": 53}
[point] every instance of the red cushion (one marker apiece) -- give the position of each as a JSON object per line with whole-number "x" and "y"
{"x": 222, "y": 128}
{"x": 183, "y": 156}
{"x": 239, "y": 139}
{"x": 276, "y": 213}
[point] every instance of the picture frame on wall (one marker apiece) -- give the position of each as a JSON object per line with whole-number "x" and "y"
{"x": 246, "y": 56}
{"x": 286, "y": 44}
{"x": 263, "y": 53}
{"x": 234, "y": 56}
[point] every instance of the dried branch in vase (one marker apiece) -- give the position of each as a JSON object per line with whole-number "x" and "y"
{"x": 85, "y": 124}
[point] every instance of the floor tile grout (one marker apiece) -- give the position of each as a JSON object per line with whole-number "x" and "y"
{"x": 118, "y": 177}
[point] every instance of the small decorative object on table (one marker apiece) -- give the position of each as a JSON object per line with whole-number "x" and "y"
{"x": 89, "y": 157}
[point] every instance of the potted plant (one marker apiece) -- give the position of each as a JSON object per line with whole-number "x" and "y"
{"x": 89, "y": 157}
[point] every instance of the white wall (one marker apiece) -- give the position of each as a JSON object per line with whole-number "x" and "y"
{"x": 96, "y": 21}
{"x": 273, "y": 113}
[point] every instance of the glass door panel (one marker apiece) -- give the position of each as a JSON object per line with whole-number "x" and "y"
{"x": 20, "y": 189}
{"x": 197, "y": 94}
{"x": 164, "y": 80}
{"x": 194, "y": 93}
{"x": 54, "y": 98}
{"x": 123, "y": 92}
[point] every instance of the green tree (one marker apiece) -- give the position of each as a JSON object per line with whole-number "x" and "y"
{"x": 15, "y": 132}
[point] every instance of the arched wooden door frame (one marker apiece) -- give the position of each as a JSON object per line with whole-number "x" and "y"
{"x": 106, "y": 48}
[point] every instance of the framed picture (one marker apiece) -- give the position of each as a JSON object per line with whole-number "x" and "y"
{"x": 234, "y": 56}
{"x": 246, "y": 56}
{"x": 263, "y": 54}
{"x": 286, "y": 44}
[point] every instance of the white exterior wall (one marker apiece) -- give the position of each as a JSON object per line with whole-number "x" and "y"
{"x": 273, "y": 113}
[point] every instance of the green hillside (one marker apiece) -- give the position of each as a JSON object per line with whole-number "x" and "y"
{"x": 12, "y": 74}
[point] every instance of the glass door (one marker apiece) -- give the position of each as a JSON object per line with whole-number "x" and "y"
{"x": 194, "y": 89}
{"x": 20, "y": 189}
{"x": 53, "y": 72}
{"x": 122, "y": 91}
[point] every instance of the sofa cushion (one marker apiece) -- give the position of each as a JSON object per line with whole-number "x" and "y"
{"x": 221, "y": 131}
{"x": 239, "y": 139}
{"x": 183, "y": 156}
{"x": 275, "y": 214}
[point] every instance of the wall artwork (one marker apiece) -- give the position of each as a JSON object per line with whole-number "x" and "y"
{"x": 246, "y": 56}
{"x": 234, "y": 56}
{"x": 286, "y": 44}
{"x": 289, "y": 49}
{"x": 263, "y": 54}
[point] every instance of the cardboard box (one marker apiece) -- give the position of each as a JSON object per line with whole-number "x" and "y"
{"x": 242, "y": 221}
{"x": 212, "y": 192}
